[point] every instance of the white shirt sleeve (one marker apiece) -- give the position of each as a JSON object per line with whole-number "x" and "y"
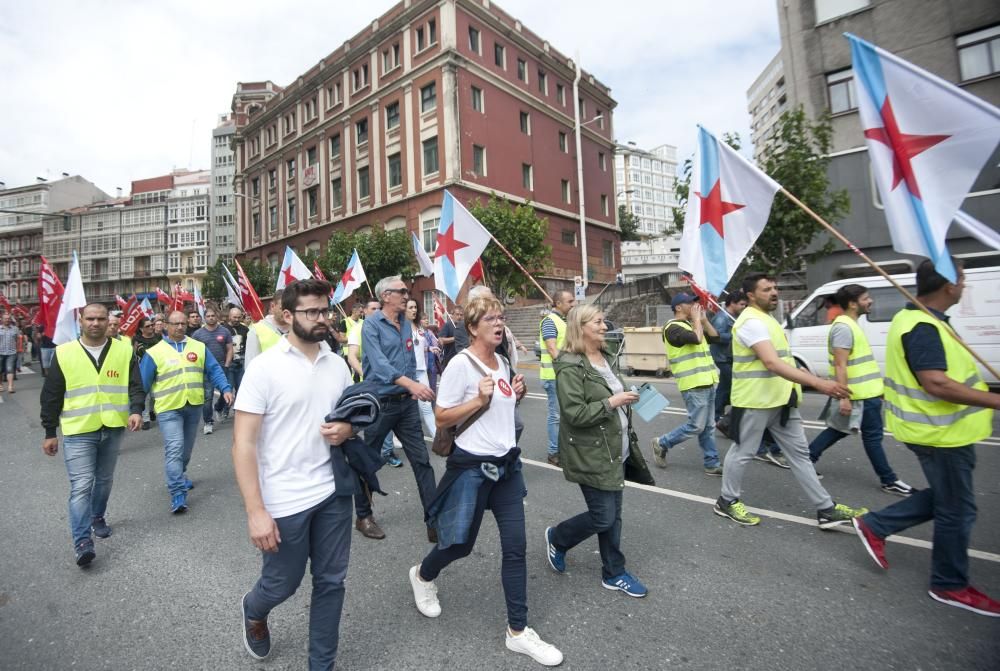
{"x": 253, "y": 346}
{"x": 751, "y": 332}
{"x": 354, "y": 337}
{"x": 252, "y": 396}
{"x": 453, "y": 389}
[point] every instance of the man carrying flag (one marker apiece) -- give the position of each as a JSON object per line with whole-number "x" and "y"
{"x": 50, "y": 291}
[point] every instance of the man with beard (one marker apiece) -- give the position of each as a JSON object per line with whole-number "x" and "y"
{"x": 281, "y": 455}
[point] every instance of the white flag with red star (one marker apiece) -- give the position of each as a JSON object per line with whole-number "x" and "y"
{"x": 292, "y": 269}
{"x": 352, "y": 278}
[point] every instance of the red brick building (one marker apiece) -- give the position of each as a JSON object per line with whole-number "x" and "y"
{"x": 431, "y": 95}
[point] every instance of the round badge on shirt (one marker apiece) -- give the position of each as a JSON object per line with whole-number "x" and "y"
{"x": 220, "y": 338}
{"x": 409, "y": 344}
{"x": 192, "y": 357}
{"x": 504, "y": 387}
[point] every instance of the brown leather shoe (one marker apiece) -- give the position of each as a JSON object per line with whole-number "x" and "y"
{"x": 554, "y": 460}
{"x": 368, "y": 528}
{"x": 432, "y": 535}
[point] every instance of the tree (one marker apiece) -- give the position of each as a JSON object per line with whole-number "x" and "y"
{"x": 212, "y": 286}
{"x": 382, "y": 254}
{"x": 628, "y": 224}
{"x": 261, "y": 276}
{"x": 523, "y": 233}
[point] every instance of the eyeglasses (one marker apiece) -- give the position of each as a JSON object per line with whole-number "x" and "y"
{"x": 493, "y": 319}
{"x": 401, "y": 292}
{"x": 312, "y": 314}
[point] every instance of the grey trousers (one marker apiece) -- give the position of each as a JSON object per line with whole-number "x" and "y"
{"x": 792, "y": 440}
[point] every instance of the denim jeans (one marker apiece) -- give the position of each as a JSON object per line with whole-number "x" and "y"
{"x": 322, "y": 535}
{"x": 604, "y": 518}
{"x": 700, "y": 422}
{"x": 90, "y": 463}
{"x": 871, "y": 438}
{"x": 402, "y": 417}
{"x": 207, "y": 407}
{"x": 553, "y": 416}
{"x": 724, "y": 389}
{"x": 179, "y": 428}
{"x": 950, "y": 501}
{"x": 234, "y": 373}
{"x": 506, "y": 499}
{"x": 387, "y": 447}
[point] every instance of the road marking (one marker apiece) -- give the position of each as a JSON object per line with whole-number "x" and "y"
{"x": 902, "y": 540}
{"x": 992, "y": 441}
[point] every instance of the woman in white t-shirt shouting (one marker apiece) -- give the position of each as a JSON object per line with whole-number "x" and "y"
{"x": 484, "y": 471}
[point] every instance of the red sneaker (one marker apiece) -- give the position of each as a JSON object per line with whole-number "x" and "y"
{"x": 968, "y": 598}
{"x": 872, "y": 543}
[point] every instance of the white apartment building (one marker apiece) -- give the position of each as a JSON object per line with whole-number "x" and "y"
{"x": 188, "y": 227}
{"x": 654, "y": 256}
{"x": 766, "y": 101}
{"x": 222, "y": 209}
{"x": 644, "y": 183}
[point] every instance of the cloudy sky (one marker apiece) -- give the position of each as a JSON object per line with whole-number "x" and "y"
{"x": 117, "y": 90}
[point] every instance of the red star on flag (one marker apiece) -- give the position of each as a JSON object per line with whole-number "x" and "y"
{"x": 447, "y": 245}
{"x": 713, "y": 208}
{"x": 348, "y": 276}
{"x": 289, "y": 277}
{"x": 904, "y": 147}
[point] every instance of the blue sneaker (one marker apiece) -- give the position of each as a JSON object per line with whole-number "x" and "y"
{"x": 85, "y": 552}
{"x": 557, "y": 558}
{"x": 100, "y": 527}
{"x": 394, "y": 461}
{"x": 178, "y": 503}
{"x": 628, "y": 583}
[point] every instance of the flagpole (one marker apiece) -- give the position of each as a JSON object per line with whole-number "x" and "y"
{"x": 519, "y": 267}
{"x": 370, "y": 288}
{"x": 341, "y": 310}
{"x": 709, "y": 296}
{"x": 864, "y": 257}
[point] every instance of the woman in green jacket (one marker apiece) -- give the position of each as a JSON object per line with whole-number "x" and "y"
{"x": 596, "y": 446}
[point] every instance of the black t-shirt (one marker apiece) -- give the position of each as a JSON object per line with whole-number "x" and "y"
{"x": 239, "y": 332}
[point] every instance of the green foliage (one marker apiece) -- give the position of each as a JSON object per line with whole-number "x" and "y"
{"x": 682, "y": 186}
{"x": 628, "y": 224}
{"x": 212, "y": 286}
{"x": 523, "y": 233}
{"x": 382, "y": 254}
{"x": 260, "y": 274}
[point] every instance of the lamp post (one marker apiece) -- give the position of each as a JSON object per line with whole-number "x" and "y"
{"x": 579, "y": 167}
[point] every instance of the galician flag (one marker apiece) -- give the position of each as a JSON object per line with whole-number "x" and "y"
{"x": 292, "y": 269}
{"x": 927, "y": 141}
{"x": 73, "y": 300}
{"x": 352, "y": 278}
{"x": 461, "y": 240}
{"x": 426, "y": 265}
{"x": 727, "y": 209}
{"x": 199, "y": 302}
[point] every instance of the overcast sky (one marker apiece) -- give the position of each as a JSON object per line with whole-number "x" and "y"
{"x": 123, "y": 90}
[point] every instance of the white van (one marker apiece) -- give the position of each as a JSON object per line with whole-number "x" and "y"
{"x": 976, "y": 318}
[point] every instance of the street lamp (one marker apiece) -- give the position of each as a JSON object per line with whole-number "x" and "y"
{"x": 579, "y": 166}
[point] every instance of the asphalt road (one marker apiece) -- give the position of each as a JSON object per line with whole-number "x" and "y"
{"x": 164, "y": 590}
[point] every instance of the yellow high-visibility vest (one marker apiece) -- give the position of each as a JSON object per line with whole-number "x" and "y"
{"x": 690, "y": 365}
{"x": 180, "y": 376}
{"x": 913, "y": 415}
{"x": 754, "y": 386}
{"x": 349, "y": 323}
{"x": 267, "y": 336}
{"x": 356, "y": 329}
{"x": 864, "y": 378}
{"x": 94, "y": 398}
{"x": 545, "y": 369}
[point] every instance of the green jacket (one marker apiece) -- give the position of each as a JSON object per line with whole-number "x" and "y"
{"x": 590, "y": 431}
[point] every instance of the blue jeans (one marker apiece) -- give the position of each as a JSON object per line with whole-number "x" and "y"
{"x": 387, "y": 447}
{"x": 234, "y": 373}
{"x": 506, "y": 499}
{"x": 604, "y": 518}
{"x": 207, "y": 406}
{"x": 949, "y": 501}
{"x": 553, "y": 417}
{"x": 179, "y": 428}
{"x": 700, "y": 422}
{"x": 871, "y": 438}
{"x": 322, "y": 535}
{"x": 90, "y": 463}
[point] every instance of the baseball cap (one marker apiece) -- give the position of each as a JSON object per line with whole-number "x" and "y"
{"x": 680, "y": 299}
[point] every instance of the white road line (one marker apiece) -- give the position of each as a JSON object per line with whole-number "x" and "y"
{"x": 992, "y": 441}
{"x": 902, "y": 540}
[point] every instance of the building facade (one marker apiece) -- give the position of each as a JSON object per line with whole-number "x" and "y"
{"x": 222, "y": 211}
{"x": 21, "y": 232}
{"x": 450, "y": 94}
{"x": 188, "y": 227}
{"x": 958, "y": 40}
{"x": 654, "y": 256}
{"x": 645, "y": 182}
{"x": 766, "y": 101}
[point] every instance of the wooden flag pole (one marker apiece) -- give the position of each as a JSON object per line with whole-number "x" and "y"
{"x": 864, "y": 257}
{"x": 370, "y": 289}
{"x": 520, "y": 267}
{"x": 344, "y": 314}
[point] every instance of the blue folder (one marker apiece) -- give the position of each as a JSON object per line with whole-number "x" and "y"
{"x": 651, "y": 402}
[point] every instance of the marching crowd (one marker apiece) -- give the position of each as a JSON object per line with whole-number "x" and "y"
{"x": 318, "y": 403}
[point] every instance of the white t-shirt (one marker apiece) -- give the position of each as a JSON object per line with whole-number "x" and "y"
{"x": 420, "y": 350}
{"x": 492, "y": 435}
{"x": 95, "y": 352}
{"x": 294, "y": 395}
{"x": 751, "y": 332}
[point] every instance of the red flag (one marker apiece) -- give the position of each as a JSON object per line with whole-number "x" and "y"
{"x": 4, "y": 303}
{"x": 122, "y": 303}
{"x": 318, "y": 272}
{"x": 182, "y": 293}
{"x": 163, "y": 297}
{"x": 50, "y": 291}
{"x": 251, "y": 301}
{"x": 706, "y": 299}
{"x": 133, "y": 315}
{"x": 476, "y": 273}
{"x": 439, "y": 312}
{"x": 19, "y": 310}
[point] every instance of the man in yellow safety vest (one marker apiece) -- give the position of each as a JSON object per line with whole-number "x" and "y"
{"x": 173, "y": 371}
{"x": 938, "y": 405}
{"x": 767, "y": 388}
{"x": 686, "y": 338}
{"x": 265, "y": 333}
{"x": 852, "y": 362}
{"x": 92, "y": 392}
{"x": 552, "y": 336}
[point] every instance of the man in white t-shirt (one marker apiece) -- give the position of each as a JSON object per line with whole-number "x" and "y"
{"x": 281, "y": 454}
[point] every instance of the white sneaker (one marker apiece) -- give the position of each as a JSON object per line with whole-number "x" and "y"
{"x": 425, "y": 594}
{"x": 530, "y": 644}
{"x": 207, "y": 429}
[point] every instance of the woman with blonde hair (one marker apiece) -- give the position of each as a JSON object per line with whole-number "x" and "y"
{"x": 597, "y": 445}
{"x": 483, "y": 471}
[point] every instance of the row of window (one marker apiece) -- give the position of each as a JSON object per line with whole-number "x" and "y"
{"x": 23, "y": 243}
{"x": 16, "y": 267}
{"x": 19, "y": 291}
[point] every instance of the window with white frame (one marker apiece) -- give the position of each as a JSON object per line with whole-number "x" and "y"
{"x": 362, "y": 131}
{"x": 478, "y": 160}
{"x": 428, "y": 97}
{"x": 364, "y": 190}
{"x": 474, "y": 40}
{"x": 395, "y": 171}
{"x": 828, "y": 10}
{"x": 392, "y": 115}
{"x": 477, "y": 99}
{"x": 840, "y": 90}
{"x": 430, "y": 221}
{"x": 430, "y": 146}
{"x": 979, "y": 53}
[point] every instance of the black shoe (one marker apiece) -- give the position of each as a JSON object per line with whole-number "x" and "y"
{"x": 100, "y": 527}
{"x": 85, "y": 552}
{"x": 145, "y": 425}
{"x": 256, "y": 635}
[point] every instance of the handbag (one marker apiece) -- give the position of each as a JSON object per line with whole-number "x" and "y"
{"x": 444, "y": 439}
